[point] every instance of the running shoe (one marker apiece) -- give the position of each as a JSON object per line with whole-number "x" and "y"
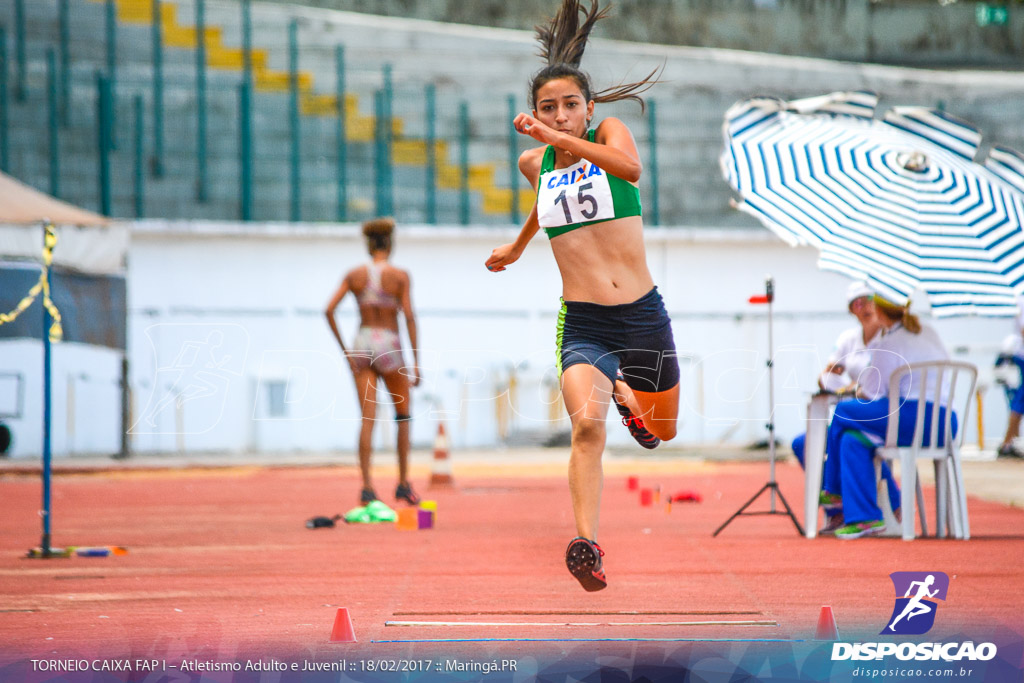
{"x": 367, "y": 496}
{"x": 635, "y": 425}
{"x": 832, "y": 523}
{"x": 583, "y": 558}
{"x": 405, "y": 492}
{"x": 858, "y": 529}
{"x": 1009, "y": 451}
{"x": 831, "y": 503}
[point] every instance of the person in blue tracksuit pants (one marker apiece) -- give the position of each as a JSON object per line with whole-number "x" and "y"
{"x": 849, "y": 478}
{"x": 1013, "y": 354}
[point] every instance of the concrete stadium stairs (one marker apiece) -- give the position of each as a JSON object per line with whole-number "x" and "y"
{"x": 480, "y": 66}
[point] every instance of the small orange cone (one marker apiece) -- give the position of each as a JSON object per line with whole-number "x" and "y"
{"x": 343, "y": 632}
{"x": 441, "y": 471}
{"x": 827, "y": 629}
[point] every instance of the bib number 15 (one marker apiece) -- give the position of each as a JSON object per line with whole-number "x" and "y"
{"x": 582, "y": 198}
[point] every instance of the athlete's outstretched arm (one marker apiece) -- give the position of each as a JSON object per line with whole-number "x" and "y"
{"x": 507, "y": 254}
{"x": 613, "y": 149}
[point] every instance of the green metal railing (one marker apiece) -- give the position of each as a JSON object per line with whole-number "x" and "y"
{"x": 341, "y": 133}
{"x": 245, "y": 148}
{"x": 385, "y": 135}
{"x": 381, "y": 194}
{"x": 245, "y": 115}
{"x": 430, "y": 136}
{"x": 64, "y": 34}
{"x": 247, "y": 40}
{"x": 158, "y": 92}
{"x": 111, "y": 76}
{"x": 513, "y": 160}
{"x": 104, "y": 108}
{"x": 294, "y": 125}
{"x": 5, "y": 150}
{"x": 53, "y": 120}
{"x": 654, "y": 217}
{"x": 345, "y": 192}
{"x": 140, "y": 157}
{"x": 464, "y": 162}
{"x": 20, "y": 78}
{"x": 202, "y": 176}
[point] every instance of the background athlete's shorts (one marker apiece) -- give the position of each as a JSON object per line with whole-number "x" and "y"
{"x": 634, "y": 337}
{"x": 378, "y": 348}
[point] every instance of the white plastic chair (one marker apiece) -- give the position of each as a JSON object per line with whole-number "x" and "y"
{"x": 938, "y": 384}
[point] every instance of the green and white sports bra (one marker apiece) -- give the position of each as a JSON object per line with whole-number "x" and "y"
{"x": 581, "y": 194}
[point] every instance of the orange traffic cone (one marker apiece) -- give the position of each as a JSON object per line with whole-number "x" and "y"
{"x": 441, "y": 471}
{"x": 827, "y": 629}
{"x": 343, "y": 632}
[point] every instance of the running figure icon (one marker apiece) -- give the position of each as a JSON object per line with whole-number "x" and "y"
{"x": 916, "y": 606}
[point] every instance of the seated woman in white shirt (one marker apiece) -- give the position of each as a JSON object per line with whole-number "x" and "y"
{"x": 850, "y": 355}
{"x": 848, "y": 360}
{"x": 849, "y": 479}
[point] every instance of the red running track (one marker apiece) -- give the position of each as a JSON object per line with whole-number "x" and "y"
{"x": 221, "y": 566}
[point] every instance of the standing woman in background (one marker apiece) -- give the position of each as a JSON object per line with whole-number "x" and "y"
{"x": 614, "y": 336}
{"x": 380, "y": 290}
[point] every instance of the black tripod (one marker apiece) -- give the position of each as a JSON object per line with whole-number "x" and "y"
{"x": 772, "y": 485}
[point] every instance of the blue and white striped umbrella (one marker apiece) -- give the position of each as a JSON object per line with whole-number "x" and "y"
{"x": 898, "y": 202}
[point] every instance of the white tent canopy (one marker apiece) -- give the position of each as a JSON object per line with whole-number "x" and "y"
{"x": 86, "y": 242}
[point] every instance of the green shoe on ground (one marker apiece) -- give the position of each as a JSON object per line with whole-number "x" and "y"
{"x": 858, "y": 529}
{"x": 380, "y": 512}
{"x": 358, "y": 515}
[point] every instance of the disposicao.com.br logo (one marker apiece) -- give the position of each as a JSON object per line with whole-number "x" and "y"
{"x": 914, "y": 613}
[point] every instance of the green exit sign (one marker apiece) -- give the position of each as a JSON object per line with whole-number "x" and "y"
{"x": 992, "y": 15}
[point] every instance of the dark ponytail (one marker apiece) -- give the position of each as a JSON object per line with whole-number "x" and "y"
{"x": 562, "y": 43}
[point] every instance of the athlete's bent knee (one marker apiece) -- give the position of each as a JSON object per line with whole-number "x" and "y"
{"x": 588, "y": 430}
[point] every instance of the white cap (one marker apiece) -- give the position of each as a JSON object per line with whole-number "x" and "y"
{"x": 856, "y": 290}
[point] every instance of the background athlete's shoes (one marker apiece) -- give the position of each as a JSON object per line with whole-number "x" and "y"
{"x": 583, "y": 558}
{"x": 405, "y": 492}
{"x": 367, "y": 496}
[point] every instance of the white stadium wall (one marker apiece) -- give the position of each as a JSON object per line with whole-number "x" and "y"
{"x": 229, "y": 350}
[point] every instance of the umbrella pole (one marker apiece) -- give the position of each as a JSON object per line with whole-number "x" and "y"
{"x": 772, "y": 486}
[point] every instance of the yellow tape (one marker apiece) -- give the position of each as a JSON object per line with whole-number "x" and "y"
{"x": 56, "y": 331}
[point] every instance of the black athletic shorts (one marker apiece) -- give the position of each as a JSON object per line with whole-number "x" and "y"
{"x": 635, "y": 338}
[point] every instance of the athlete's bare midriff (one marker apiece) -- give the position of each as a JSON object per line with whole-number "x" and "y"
{"x": 604, "y": 263}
